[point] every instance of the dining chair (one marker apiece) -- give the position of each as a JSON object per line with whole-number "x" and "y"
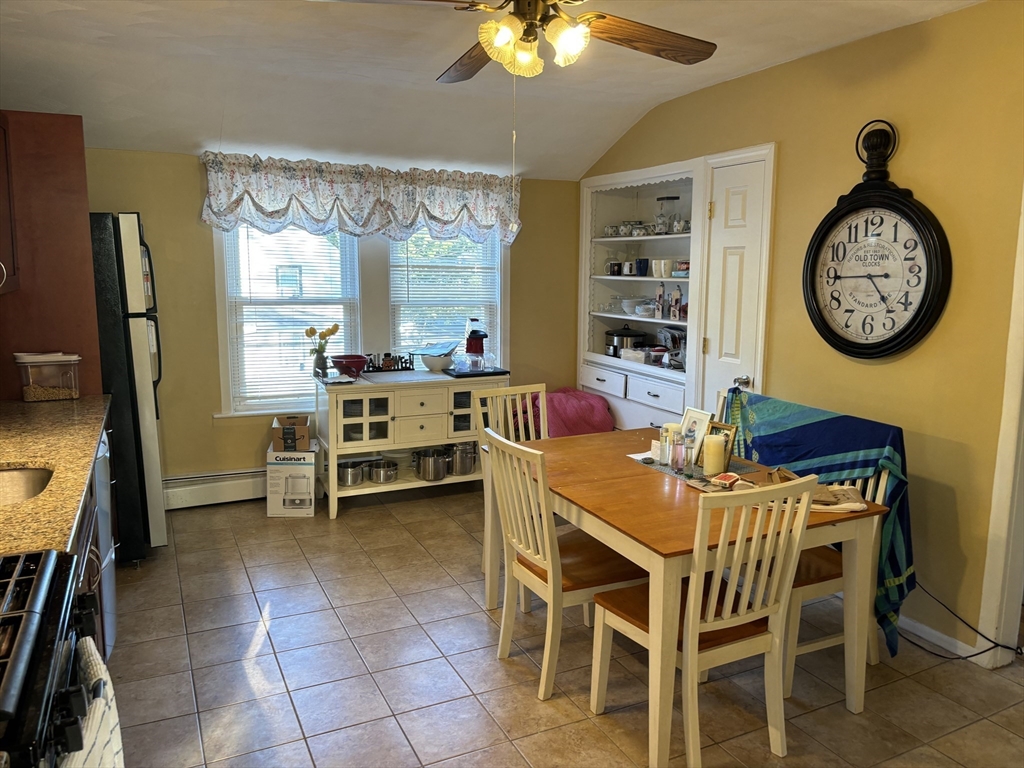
{"x": 563, "y": 570}
{"x": 819, "y": 573}
{"x": 723, "y": 616}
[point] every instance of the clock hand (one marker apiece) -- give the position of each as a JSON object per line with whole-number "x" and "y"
{"x": 875, "y": 286}
{"x": 858, "y": 277}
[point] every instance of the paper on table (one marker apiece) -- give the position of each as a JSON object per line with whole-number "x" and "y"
{"x": 639, "y": 456}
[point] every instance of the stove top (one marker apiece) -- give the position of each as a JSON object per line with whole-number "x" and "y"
{"x": 24, "y": 588}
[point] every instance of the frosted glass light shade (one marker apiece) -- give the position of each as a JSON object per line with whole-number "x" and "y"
{"x": 498, "y": 38}
{"x": 525, "y": 62}
{"x": 568, "y": 40}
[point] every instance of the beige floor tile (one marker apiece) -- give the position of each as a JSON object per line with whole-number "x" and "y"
{"x": 415, "y": 511}
{"x": 320, "y": 525}
{"x": 809, "y": 693}
{"x": 529, "y": 625}
{"x": 420, "y": 685}
{"x": 463, "y": 633}
{"x": 918, "y": 710}
{"x": 280, "y": 575}
{"x": 380, "y": 538}
{"x": 291, "y": 632}
{"x": 289, "y": 601}
{"x": 377, "y": 744}
{"x": 520, "y": 713}
{"x": 726, "y": 670}
{"x": 367, "y": 518}
{"x": 483, "y": 672}
{"x": 829, "y": 665}
{"x": 826, "y": 615}
{"x": 726, "y": 710}
{"x": 200, "y": 519}
{"x": 293, "y": 755}
{"x": 336, "y": 543}
{"x": 754, "y": 749}
{"x": 395, "y": 648}
{"x": 439, "y": 527}
{"x": 248, "y": 727}
{"x": 453, "y": 547}
{"x": 209, "y": 561}
{"x": 628, "y": 729}
{"x": 574, "y": 651}
{"x": 438, "y": 604}
{"x": 465, "y": 569}
{"x": 172, "y": 743}
{"x": 1012, "y": 718}
{"x": 863, "y": 739}
{"x": 393, "y": 558}
{"x": 710, "y": 757}
{"x": 922, "y": 757}
{"x": 262, "y": 533}
{"x": 472, "y": 522}
{"x": 624, "y": 688}
{"x": 504, "y": 755}
{"x": 160, "y": 565}
{"x": 983, "y": 745}
{"x": 324, "y": 663}
{"x": 909, "y": 659}
{"x": 1013, "y": 672}
{"x": 237, "y": 681}
{"x": 153, "y": 658}
{"x": 571, "y": 746}
{"x": 211, "y": 585}
{"x": 461, "y": 504}
{"x": 268, "y": 553}
{"x": 153, "y": 593}
{"x": 152, "y": 624}
{"x": 342, "y": 566}
{"x": 221, "y": 612}
{"x": 219, "y": 646}
{"x": 339, "y": 704}
{"x": 196, "y": 541}
{"x": 357, "y": 589}
{"x": 156, "y": 698}
{"x": 378, "y": 616}
{"x": 418, "y": 578}
{"x": 450, "y": 729}
{"x": 972, "y": 686}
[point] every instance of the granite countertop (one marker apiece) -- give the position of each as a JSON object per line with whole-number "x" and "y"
{"x": 62, "y": 436}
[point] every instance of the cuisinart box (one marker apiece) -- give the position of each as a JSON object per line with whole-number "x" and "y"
{"x": 291, "y": 480}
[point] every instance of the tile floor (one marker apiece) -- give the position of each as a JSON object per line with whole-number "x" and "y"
{"x": 361, "y": 642}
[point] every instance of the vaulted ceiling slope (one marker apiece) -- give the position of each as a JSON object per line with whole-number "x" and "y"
{"x": 355, "y": 82}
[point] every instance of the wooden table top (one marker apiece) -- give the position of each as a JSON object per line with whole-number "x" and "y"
{"x": 658, "y": 511}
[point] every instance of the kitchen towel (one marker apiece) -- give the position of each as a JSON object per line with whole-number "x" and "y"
{"x": 836, "y": 448}
{"x": 101, "y": 727}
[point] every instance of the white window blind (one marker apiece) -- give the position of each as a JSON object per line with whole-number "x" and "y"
{"x": 277, "y": 286}
{"x": 437, "y": 284}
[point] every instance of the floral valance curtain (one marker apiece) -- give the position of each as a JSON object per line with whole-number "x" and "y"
{"x": 322, "y": 198}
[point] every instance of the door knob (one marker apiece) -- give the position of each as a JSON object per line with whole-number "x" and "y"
{"x": 741, "y": 381}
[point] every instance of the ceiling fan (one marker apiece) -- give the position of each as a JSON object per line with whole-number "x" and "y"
{"x": 513, "y": 40}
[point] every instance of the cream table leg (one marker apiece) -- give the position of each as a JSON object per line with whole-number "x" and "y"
{"x": 859, "y": 563}
{"x": 665, "y": 589}
{"x": 492, "y": 537}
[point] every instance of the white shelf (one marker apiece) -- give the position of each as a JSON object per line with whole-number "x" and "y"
{"x": 645, "y": 279}
{"x": 637, "y": 239}
{"x": 637, "y": 318}
{"x": 406, "y": 479}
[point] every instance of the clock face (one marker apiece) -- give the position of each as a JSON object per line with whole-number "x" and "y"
{"x": 870, "y": 276}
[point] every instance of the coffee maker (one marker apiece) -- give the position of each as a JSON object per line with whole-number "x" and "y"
{"x": 475, "y": 335}
{"x": 297, "y": 494}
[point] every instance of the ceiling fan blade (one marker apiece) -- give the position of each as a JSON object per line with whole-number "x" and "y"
{"x": 471, "y": 62}
{"x": 396, "y": 2}
{"x": 646, "y": 39}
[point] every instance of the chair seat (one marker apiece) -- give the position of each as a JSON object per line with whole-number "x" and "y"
{"x": 631, "y": 604}
{"x": 817, "y": 565}
{"x": 586, "y": 563}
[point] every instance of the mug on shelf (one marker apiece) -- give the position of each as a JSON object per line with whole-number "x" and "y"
{"x": 642, "y": 265}
{"x": 613, "y": 268}
{"x": 611, "y": 230}
{"x": 629, "y": 267}
{"x": 666, "y": 267}
{"x": 656, "y": 268}
{"x": 625, "y": 229}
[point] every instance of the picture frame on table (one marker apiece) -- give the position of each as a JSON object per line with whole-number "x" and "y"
{"x": 728, "y": 431}
{"x": 695, "y": 425}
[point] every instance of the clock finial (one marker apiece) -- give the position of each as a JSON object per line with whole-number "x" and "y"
{"x": 879, "y": 145}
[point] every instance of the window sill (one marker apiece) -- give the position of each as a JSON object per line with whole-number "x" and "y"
{"x": 305, "y": 411}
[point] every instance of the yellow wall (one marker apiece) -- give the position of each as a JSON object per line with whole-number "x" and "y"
{"x": 953, "y": 87}
{"x": 168, "y": 190}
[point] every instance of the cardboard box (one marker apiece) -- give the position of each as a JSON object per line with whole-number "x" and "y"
{"x": 291, "y": 482}
{"x": 291, "y": 433}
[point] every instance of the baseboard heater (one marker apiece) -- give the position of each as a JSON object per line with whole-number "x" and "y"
{"x": 200, "y": 490}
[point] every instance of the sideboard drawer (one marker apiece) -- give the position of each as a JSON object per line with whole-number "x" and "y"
{"x": 609, "y": 382}
{"x": 427, "y": 429}
{"x": 655, "y": 393}
{"x": 422, "y": 401}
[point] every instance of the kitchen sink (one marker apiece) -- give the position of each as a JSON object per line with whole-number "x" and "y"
{"x": 22, "y": 483}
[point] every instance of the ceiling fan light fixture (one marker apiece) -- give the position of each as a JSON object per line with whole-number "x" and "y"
{"x": 525, "y": 62}
{"x": 568, "y": 40}
{"x": 498, "y": 38}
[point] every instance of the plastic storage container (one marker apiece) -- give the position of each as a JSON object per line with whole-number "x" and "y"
{"x": 50, "y": 376}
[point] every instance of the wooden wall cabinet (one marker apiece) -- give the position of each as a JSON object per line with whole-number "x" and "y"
{"x": 9, "y": 279}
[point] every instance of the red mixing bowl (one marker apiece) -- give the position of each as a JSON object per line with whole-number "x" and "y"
{"x": 350, "y": 365}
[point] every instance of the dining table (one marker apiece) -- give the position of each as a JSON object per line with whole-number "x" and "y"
{"x": 650, "y": 517}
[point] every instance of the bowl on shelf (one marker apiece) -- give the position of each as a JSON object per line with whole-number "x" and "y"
{"x": 436, "y": 363}
{"x": 349, "y": 365}
{"x": 629, "y": 305}
{"x": 645, "y": 309}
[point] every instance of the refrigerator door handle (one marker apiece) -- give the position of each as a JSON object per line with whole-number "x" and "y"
{"x": 159, "y": 362}
{"x": 152, "y": 273}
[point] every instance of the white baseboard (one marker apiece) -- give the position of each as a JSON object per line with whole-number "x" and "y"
{"x": 200, "y": 490}
{"x": 933, "y": 636}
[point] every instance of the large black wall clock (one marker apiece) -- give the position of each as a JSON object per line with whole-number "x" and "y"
{"x": 878, "y": 267}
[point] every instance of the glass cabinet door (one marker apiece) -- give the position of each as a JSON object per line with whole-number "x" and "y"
{"x": 461, "y": 423}
{"x": 365, "y": 419}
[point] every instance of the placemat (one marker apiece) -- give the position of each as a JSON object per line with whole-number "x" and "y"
{"x": 739, "y": 466}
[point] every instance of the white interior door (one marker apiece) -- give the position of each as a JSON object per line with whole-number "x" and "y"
{"x": 736, "y": 277}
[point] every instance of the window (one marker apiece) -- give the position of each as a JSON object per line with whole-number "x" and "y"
{"x": 437, "y": 284}
{"x": 276, "y": 286}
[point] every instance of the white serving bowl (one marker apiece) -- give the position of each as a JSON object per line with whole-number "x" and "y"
{"x": 436, "y": 363}
{"x": 629, "y": 305}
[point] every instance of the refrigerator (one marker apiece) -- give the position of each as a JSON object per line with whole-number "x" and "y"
{"x": 131, "y": 361}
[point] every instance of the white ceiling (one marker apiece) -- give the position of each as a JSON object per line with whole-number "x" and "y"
{"x": 354, "y": 82}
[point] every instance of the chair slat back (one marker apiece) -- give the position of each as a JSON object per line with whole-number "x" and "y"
{"x": 519, "y": 476}
{"x": 509, "y": 412}
{"x": 752, "y": 578}
{"x": 872, "y": 488}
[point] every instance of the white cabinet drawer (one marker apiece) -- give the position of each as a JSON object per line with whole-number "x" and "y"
{"x": 422, "y": 401}
{"x": 655, "y": 393}
{"x": 630, "y": 414}
{"x": 428, "y": 429}
{"x": 609, "y": 382}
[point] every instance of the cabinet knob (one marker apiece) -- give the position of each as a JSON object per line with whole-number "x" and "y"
{"x": 423, "y": 426}
{"x": 422, "y": 404}
{"x": 451, "y": 413}
{"x": 601, "y": 380}
{"x": 654, "y": 425}
{"x": 392, "y": 418}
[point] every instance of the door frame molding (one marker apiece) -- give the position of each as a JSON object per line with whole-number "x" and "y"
{"x": 759, "y": 153}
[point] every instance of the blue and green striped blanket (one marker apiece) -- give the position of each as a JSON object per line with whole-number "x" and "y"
{"x": 836, "y": 447}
